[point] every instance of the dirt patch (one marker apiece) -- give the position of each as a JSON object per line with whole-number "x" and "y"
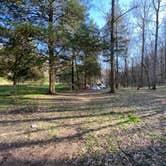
{"x": 92, "y": 128}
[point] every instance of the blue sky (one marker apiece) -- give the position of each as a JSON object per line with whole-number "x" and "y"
{"x": 98, "y": 11}
{"x": 100, "y": 7}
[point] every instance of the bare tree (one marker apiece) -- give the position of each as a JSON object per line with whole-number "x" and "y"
{"x": 112, "y": 83}
{"x": 142, "y": 15}
{"x": 156, "y": 5}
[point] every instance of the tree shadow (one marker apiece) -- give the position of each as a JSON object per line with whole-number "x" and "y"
{"x": 147, "y": 155}
{"x": 77, "y": 136}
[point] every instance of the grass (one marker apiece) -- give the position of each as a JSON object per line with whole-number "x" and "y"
{"x": 4, "y": 81}
{"x": 133, "y": 118}
{"x": 91, "y": 128}
{"x": 29, "y": 91}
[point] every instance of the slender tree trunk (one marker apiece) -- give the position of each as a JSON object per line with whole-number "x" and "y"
{"x": 117, "y": 59}
{"x": 14, "y": 79}
{"x": 156, "y": 46}
{"x": 14, "y": 82}
{"x": 77, "y": 73}
{"x": 142, "y": 52}
{"x": 165, "y": 58}
{"x": 161, "y": 63}
{"x": 112, "y": 83}
{"x": 51, "y": 51}
{"x": 72, "y": 70}
{"x": 85, "y": 79}
{"x": 165, "y": 52}
{"x": 132, "y": 73}
{"x": 126, "y": 72}
{"x": 147, "y": 71}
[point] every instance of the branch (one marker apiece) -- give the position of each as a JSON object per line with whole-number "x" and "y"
{"x": 154, "y": 5}
{"x": 125, "y": 13}
{"x": 58, "y": 52}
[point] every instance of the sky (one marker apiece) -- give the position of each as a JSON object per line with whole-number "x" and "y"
{"x": 98, "y": 11}
{"x": 100, "y": 7}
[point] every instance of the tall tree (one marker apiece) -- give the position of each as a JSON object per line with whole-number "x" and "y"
{"x": 156, "y": 5}
{"x": 112, "y": 75}
{"x": 55, "y": 16}
{"x": 19, "y": 56}
{"x": 142, "y": 14}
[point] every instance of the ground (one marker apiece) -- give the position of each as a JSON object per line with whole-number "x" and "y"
{"x": 82, "y": 128}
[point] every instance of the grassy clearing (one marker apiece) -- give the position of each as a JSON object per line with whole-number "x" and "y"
{"x": 95, "y": 128}
{"x": 22, "y": 90}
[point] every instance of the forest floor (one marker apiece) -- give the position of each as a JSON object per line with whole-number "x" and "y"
{"x": 85, "y": 128}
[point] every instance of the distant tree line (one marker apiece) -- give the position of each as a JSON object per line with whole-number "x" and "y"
{"x": 58, "y": 37}
{"x": 146, "y": 65}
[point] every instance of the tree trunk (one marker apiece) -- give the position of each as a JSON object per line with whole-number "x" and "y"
{"x": 14, "y": 79}
{"x": 161, "y": 64}
{"x": 133, "y": 73}
{"x": 117, "y": 59}
{"x": 112, "y": 83}
{"x": 85, "y": 80}
{"x": 165, "y": 58}
{"x": 14, "y": 82}
{"x": 78, "y": 79}
{"x": 51, "y": 51}
{"x": 147, "y": 71}
{"x": 72, "y": 72}
{"x": 126, "y": 73}
{"x": 142, "y": 52}
{"x": 156, "y": 46}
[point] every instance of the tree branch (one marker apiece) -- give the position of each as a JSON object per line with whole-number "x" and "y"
{"x": 125, "y": 13}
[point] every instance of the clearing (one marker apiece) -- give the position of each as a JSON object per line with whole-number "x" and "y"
{"x": 86, "y": 128}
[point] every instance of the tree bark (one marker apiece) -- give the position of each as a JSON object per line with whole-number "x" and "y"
{"x": 77, "y": 74}
{"x": 165, "y": 58}
{"x": 14, "y": 82}
{"x": 142, "y": 52}
{"x": 85, "y": 79}
{"x": 126, "y": 72}
{"x": 14, "y": 79}
{"x": 51, "y": 51}
{"x": 155, "y": 51}
{"x": 72, "y": 71}
{"x": 112, "y": 83}
{"x": 117, "y": 59}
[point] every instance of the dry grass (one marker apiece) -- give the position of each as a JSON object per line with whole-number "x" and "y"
{"x": 97, "y": 128}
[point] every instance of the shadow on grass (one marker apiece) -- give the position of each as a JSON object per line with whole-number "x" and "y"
{"x": 144, "y": 156}
{"x": 62, "y": 117}
{"x": 77, "y": 136}
{"x": 99, "y": 105}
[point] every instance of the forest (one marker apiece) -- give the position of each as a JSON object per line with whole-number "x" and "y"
{"x": 82, "y": 82}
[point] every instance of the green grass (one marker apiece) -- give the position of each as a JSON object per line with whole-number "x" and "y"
{"x": 133, "y": 118}
{"x": 23, "y": 94}
{"x": 90, "y": 142}
{"x": 87, "y": 124}
{"x": 32, "y": 91}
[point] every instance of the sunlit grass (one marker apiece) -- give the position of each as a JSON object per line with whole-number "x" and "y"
{"x": 99, "y": 123}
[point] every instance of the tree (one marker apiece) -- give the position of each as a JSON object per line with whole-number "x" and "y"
{"x": 18, "y": 56}
{"x": 156, "y": 5}
{"x": 120, "y": 41}
{"x": 112, "y": 21}
{"x": 85, "y": 48}
{"x": 142, "y": 15}
{"x": 46, "y": 15}
{"x": 70, "y": 29}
